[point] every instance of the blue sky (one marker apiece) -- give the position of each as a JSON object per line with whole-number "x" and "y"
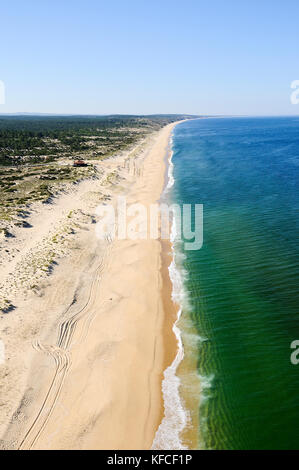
{"x": 149, "y": 56}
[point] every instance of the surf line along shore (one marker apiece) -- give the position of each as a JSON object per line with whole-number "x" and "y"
{"x": 100, "y": 386}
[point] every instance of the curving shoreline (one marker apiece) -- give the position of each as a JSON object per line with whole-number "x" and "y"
{"x": 175, "y": 417}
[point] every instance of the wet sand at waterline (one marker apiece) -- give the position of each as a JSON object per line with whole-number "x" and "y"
{"x": 87, "y": 350}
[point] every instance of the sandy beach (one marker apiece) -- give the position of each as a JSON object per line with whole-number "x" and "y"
{"x": 89, "y": 339}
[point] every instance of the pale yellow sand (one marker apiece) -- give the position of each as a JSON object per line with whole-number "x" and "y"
{"x": 98, "y": 324}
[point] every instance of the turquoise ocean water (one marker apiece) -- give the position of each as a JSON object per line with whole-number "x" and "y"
{"x": 242, "y": 284}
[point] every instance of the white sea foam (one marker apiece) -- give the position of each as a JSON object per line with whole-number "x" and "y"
{"x": 175, "y": 416}
{"x": 170, "y": 182}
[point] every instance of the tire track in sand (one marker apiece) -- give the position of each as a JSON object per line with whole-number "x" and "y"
{"x": 80, "y": 323}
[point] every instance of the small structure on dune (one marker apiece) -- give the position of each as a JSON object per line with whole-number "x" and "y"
{"x": 79, "y": 163}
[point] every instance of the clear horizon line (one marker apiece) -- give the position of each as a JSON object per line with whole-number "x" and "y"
{"x": 26, "y": 113}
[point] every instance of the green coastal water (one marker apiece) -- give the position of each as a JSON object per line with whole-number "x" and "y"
{"x": 242, "y": 284}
